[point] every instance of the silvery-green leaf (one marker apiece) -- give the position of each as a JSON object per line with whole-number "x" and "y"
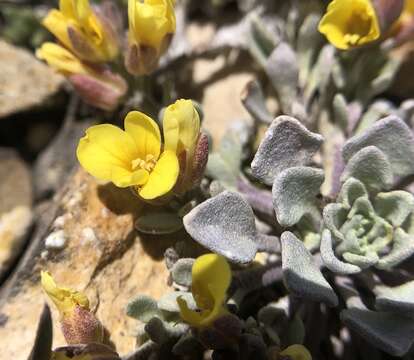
{"x": 224, "y": 224}
{"x": 398, "y": 299}
{"x": 308, "y": 43}
{"x": 377, "y": 110}
{"x": 261, "y": 41}
{"x": 254, "y": 101}
{"x": 351, "y": 190}
{"x": 309, "y": 228}
{"x": 321, "y": 72}
{"x": 334, "y": 215}
{"x": 331, "y": 261}
{"x": 283, "y": 71}
{"x": 390, "y": 332}
{"x": 402, "y": 249}
{"x": 218, "y": 169}
{"x": 395, "y": 206}
{"x": 143, "y": 308}
{"x": 340, "y": 111}
{"x": 287, "y": 143}
{"x": 181, "y": 271}
{"x": 406, "y": 111}
{"x": 371, "y": 167}
{"x": 159, "y": 223}
{"x": 294, "y": 193}
{"x": 168, "y": 302}
{"x": 362, "y": 261}
{"x": 301, "y": 275}
{"x": 42, "y": 347}
{"x": 161, "y": 331}
{"x": 393, "y": 137}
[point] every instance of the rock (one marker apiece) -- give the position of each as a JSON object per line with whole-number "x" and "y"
{"x": 15, "y": 206}
{"x": 103, "y": 256}
{"x": 25, "y": 82}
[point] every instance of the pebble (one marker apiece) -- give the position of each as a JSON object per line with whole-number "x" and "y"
{"x": 56, "y": 240}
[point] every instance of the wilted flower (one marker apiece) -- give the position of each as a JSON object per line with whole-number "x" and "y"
{"x": 296, "y": 352}
{"x": 349, "y": 23}
{"x": 97, "y": 85}
{"x": 83, "y": 31}
{"x": 151, "y": 25}
{"x": 79, "y": 324}
{"x": 211, "y": 276}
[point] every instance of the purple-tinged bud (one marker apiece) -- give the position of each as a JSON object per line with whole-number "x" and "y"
{"x": 103, "y": 90}
{"x": 141, "y": 59}
{"x": 200, "y": 159}
{"x": 388, "y": 11}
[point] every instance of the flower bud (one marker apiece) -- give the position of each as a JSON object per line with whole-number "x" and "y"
{"x": 97, "y": 85}
{"x": 79, "y": 324}
{"x": 151, "y": 26}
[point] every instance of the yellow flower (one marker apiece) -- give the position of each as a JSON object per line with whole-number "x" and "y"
{"x": 349, "y": 23}
{"x": 181, "y": 124}
{"x": 150, "y": 21}
{"x": 296, "y": 352}
{"x": 130, "y": 158}
{"x": 211, "y": 276}
{"x": 97, "y": 85}
{"x": 79, "y": 29}
{"x": 66, "y": 300}
{"x": 151, "y": 26}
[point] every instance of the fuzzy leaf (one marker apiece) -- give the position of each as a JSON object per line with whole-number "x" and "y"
{"x": 331, "y": 261}
{"x": 390, "y": 332}
{"x": 225, "y": 224}
{"x": 254, "y": 102}
{"x": 143, "y": 308}
{"x": 287, "y": 143}
{"x": 302, "y": 277}
{"x": 370, "y": 166}
{"x": 159, "y": 223}
{"x": 334, "y": 215}
{"x": 181, "y": 271}
{"x": 393, "y": 137}
{"x": 402, "y": 249}
{"x": 398, "y": 299}
{"x": 168, "y": 302}
{"x": 283, "y": 71}
{"x": 394, "y": 206}
{"x": 161, "y": 331}
{"x": 294, "y": 193}
{"x": 351, "y": 190}
{"x": 340, "y": 110}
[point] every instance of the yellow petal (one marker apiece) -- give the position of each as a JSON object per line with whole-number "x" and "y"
{"x": 211, "y": 276}
{"x": 107, "y": 152}
{"x": 56, "y": 22}
{"x": 297, "y": 352}
{"x": 64, "y": 299}
{"x": 349, "y": 23}
{"x": 145, "y": 133}
{"x": 183, "y": 115}
{"x": 61, "y": 59}
{"x": 162, "y": 178}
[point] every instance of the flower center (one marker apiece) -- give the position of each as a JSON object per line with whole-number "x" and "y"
{"x": 358, "y": 26}
{"x": 148, "y": 164}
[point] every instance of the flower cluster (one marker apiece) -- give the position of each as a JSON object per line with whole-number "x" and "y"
{"x": 138, "y": 158}
{"x": 90, "y": 43}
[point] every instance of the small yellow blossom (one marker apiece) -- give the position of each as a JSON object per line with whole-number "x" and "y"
{"x": 350, "y": 23}
{"x": 297, "y": 352}
{"x": 211, "y": 276}
{"x": 150, "y": 21}
{"x": 97, "y": 85}
{"x": 66, "y": 300}
{"x": 79, "y": 29}
{"x": 151, "y": 26}
{"x": 130, "y": 158}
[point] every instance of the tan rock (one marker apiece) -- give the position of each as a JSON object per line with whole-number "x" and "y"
{"x": 25, "y": 82}
{"x": 15, "y": 206}
{"x": 102, "y": 255}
